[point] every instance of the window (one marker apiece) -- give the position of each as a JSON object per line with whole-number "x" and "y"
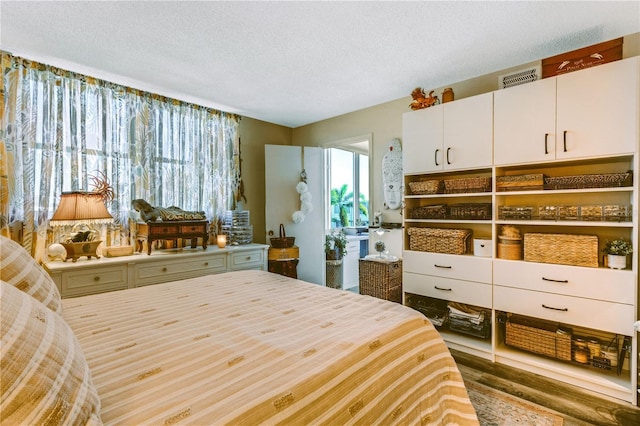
{"x": 348, "y": 187}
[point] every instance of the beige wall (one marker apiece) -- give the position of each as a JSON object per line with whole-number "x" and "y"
{"x": 254, "y": 135}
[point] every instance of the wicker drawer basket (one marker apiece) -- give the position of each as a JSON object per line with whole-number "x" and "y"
{"x": 538, "y": 336}
{"x": 563, "y": 249}
{"x": 520, "y": 182}
{"x": 439, "y": 240}
{"x": 423, "y": 187}
{"x": 381, "y": 279}
{"x": 467, "y": 185}
{"x": 438, "y": 211}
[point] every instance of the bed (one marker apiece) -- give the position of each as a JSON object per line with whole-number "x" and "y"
{"x": 239, "y": 348}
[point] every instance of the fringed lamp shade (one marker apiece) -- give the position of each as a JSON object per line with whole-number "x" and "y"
{"x": 79, "y": 206}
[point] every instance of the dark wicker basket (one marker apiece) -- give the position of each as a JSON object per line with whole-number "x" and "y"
{"x": 283, "y": 241}
{"x": 538, "y": 336}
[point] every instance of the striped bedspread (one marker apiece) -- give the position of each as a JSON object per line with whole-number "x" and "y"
{"x": 251, "y": 347}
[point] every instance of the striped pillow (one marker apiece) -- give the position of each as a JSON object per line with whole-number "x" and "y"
{"x": 21, "y": 270}
{"x": 44, "y": 376}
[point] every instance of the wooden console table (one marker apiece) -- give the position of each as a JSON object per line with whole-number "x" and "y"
{"x": 172, "y": 230}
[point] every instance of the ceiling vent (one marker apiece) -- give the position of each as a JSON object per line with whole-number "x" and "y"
{"x": 519, "y": 77}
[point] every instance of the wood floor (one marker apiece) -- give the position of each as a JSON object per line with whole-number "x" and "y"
{"x": 578, "y": 407}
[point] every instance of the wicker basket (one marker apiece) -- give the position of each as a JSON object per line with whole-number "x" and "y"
{"x": 515, "y": 212}
{"x": 605, "y": 180}
{"x": 431, "y": 186}
{"x": 509, "y": 248}
{"x": 283, "y": 241}
{"x": 467, "y": 185}
{"x": 438, "y": 211}
{"x": 439, "y": 240}
{"x": 381, "y": 279}
{"x": 470, "y": 211}
{"x": 538, "y": 336}
{"x": 520, "y": 182}
{"x": 563, "y": 249}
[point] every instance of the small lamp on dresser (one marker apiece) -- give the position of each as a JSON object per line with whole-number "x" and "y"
{"x": 81, "y": 209}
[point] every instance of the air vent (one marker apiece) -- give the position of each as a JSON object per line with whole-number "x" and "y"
{"x": 519, "y": 77}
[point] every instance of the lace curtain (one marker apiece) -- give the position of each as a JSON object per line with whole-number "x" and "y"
{"x": 60, "y": 128}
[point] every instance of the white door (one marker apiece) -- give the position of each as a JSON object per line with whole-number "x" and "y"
{"x": 283, "y": 165}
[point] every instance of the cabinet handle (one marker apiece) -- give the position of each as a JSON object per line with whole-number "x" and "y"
{"x": 248, "y": 257}
{"x": 546, "y": 137}
{"x": 555, "y": 309}
{"x": 564, "y": 140}
{"x": 441, "y": 266}
{"x": 435, "y": 157}
{"x": 206, "y": 263}
{"x": 96, "y": 278}
{"x": 448, "y": 149}
{"x": 164, "y": 269}
{"x": 442, "y": 289}
{"x": 554, "y": 281}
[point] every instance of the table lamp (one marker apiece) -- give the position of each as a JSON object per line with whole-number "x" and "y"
{"x": 81, "y": 209}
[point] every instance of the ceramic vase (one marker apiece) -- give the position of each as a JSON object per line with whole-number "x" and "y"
{"x": 616, "y": 261}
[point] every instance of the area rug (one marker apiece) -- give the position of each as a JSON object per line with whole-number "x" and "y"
{"x": 496, "y": 408}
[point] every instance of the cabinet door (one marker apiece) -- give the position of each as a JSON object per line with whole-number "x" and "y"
{"x": 468, "y": 132}
{"x": 525, "y": 122}
{"x": 598, "y": 110}
{"x": 422, "y": 140}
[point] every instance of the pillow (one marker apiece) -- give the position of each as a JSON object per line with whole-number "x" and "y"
{"x": 45, "y": 377}
{"x": 19, "y": 269}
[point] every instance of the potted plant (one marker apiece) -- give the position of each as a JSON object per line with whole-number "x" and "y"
{"x": 617, "y": 251}
{"x": 335, "y": 245}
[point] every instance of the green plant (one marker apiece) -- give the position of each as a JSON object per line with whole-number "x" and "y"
{"x": 336, "y": 240}
{"x": 344, "y": 200}
{"x": 618, "y": 247}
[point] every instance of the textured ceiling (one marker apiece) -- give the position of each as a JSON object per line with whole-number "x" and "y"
{"x": 294, "y": 63}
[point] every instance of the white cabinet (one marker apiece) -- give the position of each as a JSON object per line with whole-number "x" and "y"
{"x": 108, "y": 274}
{"x": 576, "y": 115}
{"x": 350, "y": 271}
{"x": 574, "y": 129}
{"x": 435, "y": 140}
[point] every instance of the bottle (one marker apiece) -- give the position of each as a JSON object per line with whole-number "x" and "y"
{"x": 447, "y": 95}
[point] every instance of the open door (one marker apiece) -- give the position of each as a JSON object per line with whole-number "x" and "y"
{"x": 283, "y": 165}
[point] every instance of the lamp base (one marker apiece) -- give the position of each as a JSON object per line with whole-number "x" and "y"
{"x": 77, "y": 250}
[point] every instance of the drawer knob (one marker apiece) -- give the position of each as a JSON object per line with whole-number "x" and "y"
{"x": 164, "y": 269}
{"x": 554, "y": 281}
{"x": 555, "y": 309}
{"x": 248, "y": 257}
{"x": 96, "y": 278}
{"x": 206, "y": 263}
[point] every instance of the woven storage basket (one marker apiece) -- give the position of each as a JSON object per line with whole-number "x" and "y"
{"x": 520, "y": 182}
{"x": 606, "y": 180}
{"x": 439, "y": 240}
{"x": 563, "y": 249}
{"x": 470, "y": 211}
{"x": 538, "y": 336}
{"x": 381, "y": 279}
{"x": 467, "y": 185}
{"x": 431, "y": 186}
{"x": 509, "y": 248}
{"x": 438, "y": 211}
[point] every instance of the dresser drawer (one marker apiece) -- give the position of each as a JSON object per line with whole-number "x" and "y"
{"x": 596, "y": 314}
{"x": 196, "y": 229}
{"x": 93, "y": 280}
{"x": 469, "y": 268}
{"x": 157, "y": 272}
{"x": 164, "y": 230}
{"x": 253, "y": 259}
{"x": 470, "y": 292}
{"x": 600, "y": 284}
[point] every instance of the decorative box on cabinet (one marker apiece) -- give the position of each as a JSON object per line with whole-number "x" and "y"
{"x": 108, "y": 274}
{"x": 172, "y": 230}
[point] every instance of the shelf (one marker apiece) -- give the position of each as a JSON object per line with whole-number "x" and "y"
{"x": 457, "y": 221}
{"x": 566, "y": 191}
{"x": 457, "y": 195}
{"x": 563, "y": 223}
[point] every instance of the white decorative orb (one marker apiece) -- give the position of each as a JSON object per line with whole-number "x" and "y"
{"x": 56, "y": 251}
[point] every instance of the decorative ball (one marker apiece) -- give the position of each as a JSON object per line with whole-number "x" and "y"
{"x": 56, "y": 251}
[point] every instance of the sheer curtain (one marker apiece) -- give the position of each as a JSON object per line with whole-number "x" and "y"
{"x": 60, "y": 128}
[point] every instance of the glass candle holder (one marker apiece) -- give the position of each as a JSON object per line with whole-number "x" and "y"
{"x": 222, "y": 241}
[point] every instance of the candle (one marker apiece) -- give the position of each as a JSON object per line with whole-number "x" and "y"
{"x": 222, "y": 241}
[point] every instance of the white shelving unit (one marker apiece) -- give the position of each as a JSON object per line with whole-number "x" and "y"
{"x": 573, "y": 140}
